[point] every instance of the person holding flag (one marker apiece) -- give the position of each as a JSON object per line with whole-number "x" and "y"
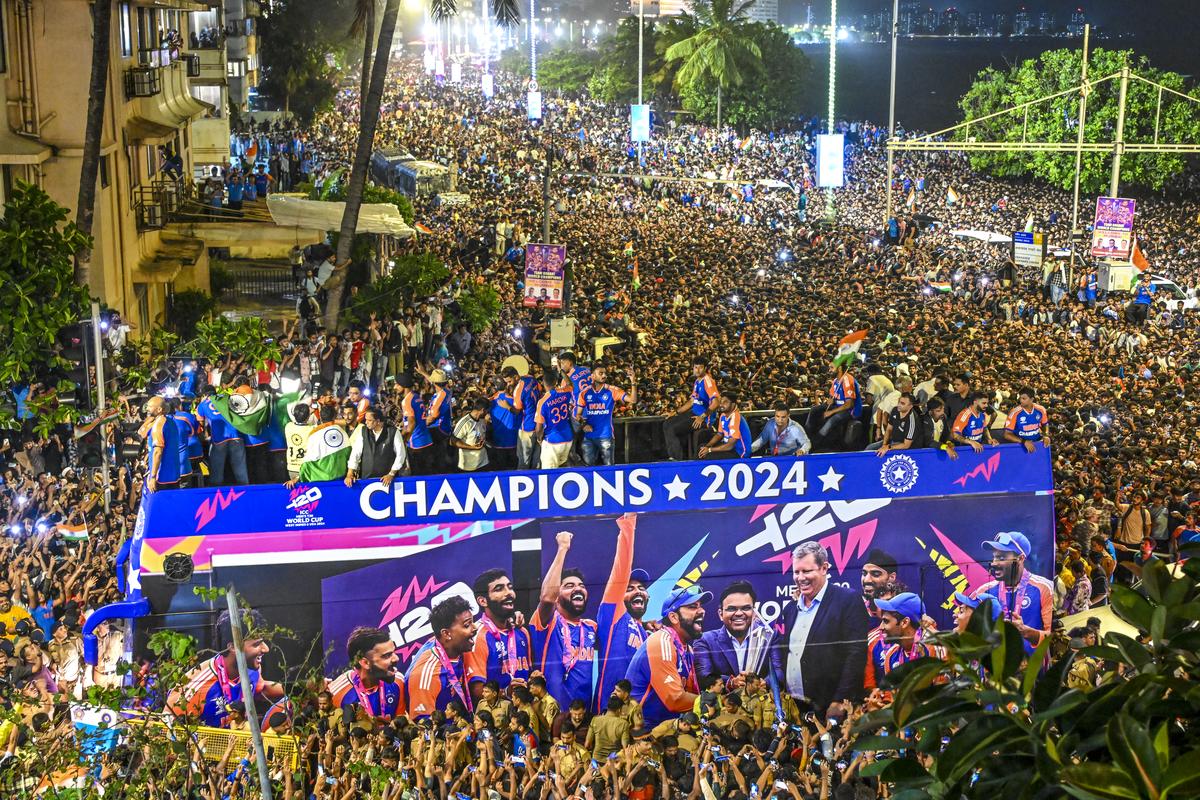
{"x": 226, "y": 448}
{"x": 248, "y": 409}
{"x": 439, "y": 673}
{"x": 370, "y": 690}
{"x": 619, "y": 629}
{"x": 327, "y": 453}
{"x": 827, "y": 420}
{"x": 951, "y": 196}
{"x": 663, "y": 672}
{"x": 1143, "y": 296}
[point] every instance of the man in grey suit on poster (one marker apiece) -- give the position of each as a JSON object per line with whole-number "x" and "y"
{"x": 823, "y": 648}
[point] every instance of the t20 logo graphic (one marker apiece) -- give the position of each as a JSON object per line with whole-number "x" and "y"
{"x": 305, "y": 499}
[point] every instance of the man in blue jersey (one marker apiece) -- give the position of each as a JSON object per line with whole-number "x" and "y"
{"x": 732, "y": 439}
{"x": 564, "y": 643}
{"x": 370, "y": 691}
{"x": 439, "y": 418}
{"x": 662, "y": 672}
{"x": 1028, "y": 422}
{"x": 503, "y": 432}
{"x": 1143, "y": 296}
{"x": 162, "y": 452}
{"x": 619, "y": 629}
{"x": 554, "y": 411}
{"x": 1026, "y": 599}
{"x": 226, "y": 448}
{"x": 416, "y": 432}
{"x": 696, "y": 413}
{"x": 524, "y": 392}
{"x": 502, "y": 649}
{"x": 581, "y": 380}
{"x": 594, "y": 408}
{"x": 186, "y": 424}
{"x": 827, "y": 421}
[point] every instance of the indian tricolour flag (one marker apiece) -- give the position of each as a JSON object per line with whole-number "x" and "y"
{"x": 327, "y": 454}
{"x": 246, "y": 409}
{"x": 848, "y": 347}
{"x": 73, "y": 533}
{"x": 951, "y": 196}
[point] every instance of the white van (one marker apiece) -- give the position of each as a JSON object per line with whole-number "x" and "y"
{"x": 1120, "y": 278}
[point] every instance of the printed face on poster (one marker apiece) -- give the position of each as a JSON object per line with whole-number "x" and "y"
{"x": 1112, "y": 229}
{"x": 545, "y": 274}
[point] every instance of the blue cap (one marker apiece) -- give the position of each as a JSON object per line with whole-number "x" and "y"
{"x": 684, "y": 597}
{"x": 1010, "y": 542}
{"x": 905, "y": 604}
{"x": 639, "y": 575}
{"x": 973, "y": 602}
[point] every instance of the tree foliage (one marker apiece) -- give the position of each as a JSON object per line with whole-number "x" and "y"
{"x": 721, "y": 52}
{"x": 985, "y": 722}
{"x": 1057, "y": 120}
{"x": 479, "y": 306}
{"x": 302, "y": 43}
{"x": 778, "y": 95}
{"x": 374, "y": 193}
{"x": 40, "y": 296}
{"x": 245, "y": 337}
{"x": 411, "y": 277}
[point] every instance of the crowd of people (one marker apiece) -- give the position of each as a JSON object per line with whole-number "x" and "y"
{"x": 724, "y": 297}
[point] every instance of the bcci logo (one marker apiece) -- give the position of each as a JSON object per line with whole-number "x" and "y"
{"x": 305, "y": 500}
{"x": 898, "y": 473}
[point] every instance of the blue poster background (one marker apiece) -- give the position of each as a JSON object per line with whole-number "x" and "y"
{"x": 397, "y": 595}
{"x": 936, "y": 541}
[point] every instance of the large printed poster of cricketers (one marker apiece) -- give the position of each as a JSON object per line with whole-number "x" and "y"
{"x": 1112, "y": 231}
{"x": 545, "y": 274}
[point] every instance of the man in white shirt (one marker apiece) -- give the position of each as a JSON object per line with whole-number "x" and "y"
{"x": 470, "y": 437}
{"x": 376, "y": 450}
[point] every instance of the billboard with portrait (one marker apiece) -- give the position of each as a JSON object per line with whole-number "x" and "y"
{"x": 1112, "y": 228}
{"x": 545, "y": 274}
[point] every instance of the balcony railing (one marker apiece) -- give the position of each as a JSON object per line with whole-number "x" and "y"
{"x": 142, "y": 82}
{"x": 157, "y": 203}
{"x": 158, "y": 56}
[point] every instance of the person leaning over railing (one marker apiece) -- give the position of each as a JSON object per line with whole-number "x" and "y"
{"x": 782, "y": 436}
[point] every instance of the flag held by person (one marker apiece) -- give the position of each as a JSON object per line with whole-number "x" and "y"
{"x": 912, "y": 198}
{"x": 73, "y": 533}
{"x": 1139, "y": 258}
{"x": 636, "y": 282}
{"x": 1029, "y": 223}
{"x": 247, "y": 410}
{"x": 951, "y": 196}
{"x": 848, "y": 347}
{"x": 327, "y": 454}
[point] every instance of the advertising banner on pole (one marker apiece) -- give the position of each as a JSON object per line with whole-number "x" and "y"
{"x": 545, "y": 274}
{"x": 1112, "y": 229}
{"x": 639, "y": 122}
{"x": 1028, "y": 249}
{"x": 534, "y": 101}
{"x": 489, "y": 85}
{"x": 831, "y": 157}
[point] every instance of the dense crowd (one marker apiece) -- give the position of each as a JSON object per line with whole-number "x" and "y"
{"x": 723, "y": 297}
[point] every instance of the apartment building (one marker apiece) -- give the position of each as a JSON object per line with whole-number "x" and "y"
{"x": 166, "y": 114}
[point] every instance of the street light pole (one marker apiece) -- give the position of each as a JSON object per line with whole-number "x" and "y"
{"x": 641, "y": 27}
{"x": 532, "y": 40}
{"x": 1114, "y": 184}
{"x": 887, "y": 214}
{"x": 830, "y": 211}
{"x": 260, "y": 754}
{"x": 100, "y": 397}
{"x": 1083, "y": 93}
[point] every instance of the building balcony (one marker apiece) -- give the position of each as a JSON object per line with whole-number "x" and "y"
{"x": 142, "y": 82}
{"x": 211, "y": 67}
{"x": 157, "y": 203}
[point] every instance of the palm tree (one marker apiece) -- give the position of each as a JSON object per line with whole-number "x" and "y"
{"x": 364, "y": 24}
{"x": 85, "y": 206}
{"x": 505, "y": 12}
{"x": 720, "y": 52}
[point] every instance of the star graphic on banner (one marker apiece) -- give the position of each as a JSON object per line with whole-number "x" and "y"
{"x": 676, "y": 489}
{"x": 899, "y": 473}
{"x": 831, "y": 480}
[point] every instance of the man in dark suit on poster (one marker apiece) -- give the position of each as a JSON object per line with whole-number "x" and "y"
{"x": 822, "y": 651}
{"x": 743, "y": 643}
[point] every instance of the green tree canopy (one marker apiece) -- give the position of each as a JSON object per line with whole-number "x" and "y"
{"x": 40, "y": 297}
{"x": 1057, "y": 120}
{"x": 777, "y": 96}
{"x": 722, "y": 52}
{"x": 302, "y": 42}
